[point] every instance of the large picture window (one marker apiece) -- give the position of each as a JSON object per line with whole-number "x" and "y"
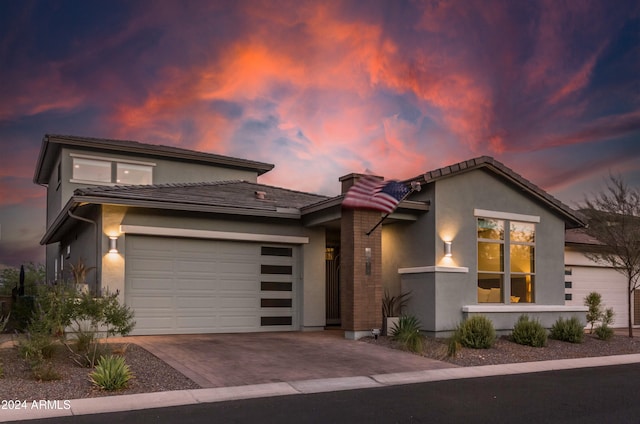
{"x": 506, "y": 255}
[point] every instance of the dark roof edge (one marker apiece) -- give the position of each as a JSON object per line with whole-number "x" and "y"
{"x": 571, "y": 216}
{"x": 131, "y": 146}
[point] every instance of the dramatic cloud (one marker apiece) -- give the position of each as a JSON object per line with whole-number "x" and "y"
{"x": 322, "y": 89}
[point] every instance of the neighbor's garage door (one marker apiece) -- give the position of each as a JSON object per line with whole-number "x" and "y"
{"x": 181, "y": 286}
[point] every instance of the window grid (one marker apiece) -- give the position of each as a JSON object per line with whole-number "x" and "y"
{"x": 516, "y": 260}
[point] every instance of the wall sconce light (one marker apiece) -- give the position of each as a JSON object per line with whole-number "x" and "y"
{"x": 447, "y": 249}
{"x": 367, "y": 261}
{"x": 113, "y": 244}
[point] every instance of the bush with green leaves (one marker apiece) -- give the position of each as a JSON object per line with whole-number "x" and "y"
{"x": 568, "y": 330}
{"x": 407, "y": 333}
{"x": 529, "y": 332}
{"x": 604, "y": 331}
{"x": 476, "y": 332}
{"x": 91, "y": 315}
{"x": 111, "y": 373}
{"x": 594, "y": 302}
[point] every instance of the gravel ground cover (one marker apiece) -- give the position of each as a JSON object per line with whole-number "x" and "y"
{"x": 150, "y": 375}
{"x": 153, "y": 375}
{"x": 506, "y": 352}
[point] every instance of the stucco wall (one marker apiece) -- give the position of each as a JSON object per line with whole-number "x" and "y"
{"x": 408, "y": 244}
{"x": 452, "y": 218}
{"x": 455, "y": 201}
{"x": 164, "y": 171}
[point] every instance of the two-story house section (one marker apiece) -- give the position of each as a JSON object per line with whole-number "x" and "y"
{"x": 189, "y": 239}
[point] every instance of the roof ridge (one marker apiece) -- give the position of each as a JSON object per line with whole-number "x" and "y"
{"x": 516, "y": 178}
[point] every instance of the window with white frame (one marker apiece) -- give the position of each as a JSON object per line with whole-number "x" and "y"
{"x": 506, "y": 261}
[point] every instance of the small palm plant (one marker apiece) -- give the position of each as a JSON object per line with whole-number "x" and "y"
{"x": 111, "y": 373}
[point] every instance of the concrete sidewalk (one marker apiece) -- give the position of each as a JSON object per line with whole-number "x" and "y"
{"x": 220, "y": 394}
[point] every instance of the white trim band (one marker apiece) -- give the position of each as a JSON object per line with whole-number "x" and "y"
{"x": 210, "y": 234}
{"x": 482, "y": 213}
{"x": 429, "y": 269}
{"x": 523, "y": 308}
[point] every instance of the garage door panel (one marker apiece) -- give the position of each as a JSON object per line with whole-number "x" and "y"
{"x": 190, "y": 303}
{"x": 201, "y": 286}
{"x": 153, "y": 265}
{"x": 151, "y": 302}
{"x": 158, "y": 284}
{"x": 155, "y": 323}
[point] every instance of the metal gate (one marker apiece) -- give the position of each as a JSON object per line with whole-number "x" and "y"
{"x": 332, "y": 257}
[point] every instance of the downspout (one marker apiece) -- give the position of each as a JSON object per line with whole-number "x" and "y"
{"x": 95, "y": 225}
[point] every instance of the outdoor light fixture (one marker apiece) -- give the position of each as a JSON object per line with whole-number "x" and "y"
{"x": 367, "y": 260}
{"x": 447, "y": 249}
{"x": 113, "y": 244}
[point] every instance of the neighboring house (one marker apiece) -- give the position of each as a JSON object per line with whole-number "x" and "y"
{"x": 193, "y": 243}
{"x": 583, "y": 276}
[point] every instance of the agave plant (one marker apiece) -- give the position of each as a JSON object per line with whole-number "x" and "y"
{"x": 111, "y": 373}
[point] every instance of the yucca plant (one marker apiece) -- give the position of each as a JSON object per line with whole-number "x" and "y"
{"x": 111, "y": 373}
{"x": 407, "y": 332}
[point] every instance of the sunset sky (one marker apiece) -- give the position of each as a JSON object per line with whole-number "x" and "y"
{"x": 323, "y": 88}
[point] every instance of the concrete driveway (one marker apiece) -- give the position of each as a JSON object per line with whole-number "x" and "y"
{"x": 224, "y": 360}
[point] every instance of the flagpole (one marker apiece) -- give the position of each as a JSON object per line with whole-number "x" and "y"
{"x": 414, "y": 187}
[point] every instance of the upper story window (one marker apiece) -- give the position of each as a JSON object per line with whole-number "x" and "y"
{"x": 107, "y": 171}
{"x": 128, "y": 173}
{"x": 91, "y": 170}
{"x": 506, "y": 260}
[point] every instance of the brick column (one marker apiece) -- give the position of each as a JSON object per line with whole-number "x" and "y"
{"x": 360, "y": 284}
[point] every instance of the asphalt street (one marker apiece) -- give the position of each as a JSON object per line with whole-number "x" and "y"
{"x": 586, "y": 395}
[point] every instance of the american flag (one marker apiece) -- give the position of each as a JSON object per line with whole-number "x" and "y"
{"x": 371, "y": 193}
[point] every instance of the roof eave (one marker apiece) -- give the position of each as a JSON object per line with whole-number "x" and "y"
{"x": 288, "y": 213}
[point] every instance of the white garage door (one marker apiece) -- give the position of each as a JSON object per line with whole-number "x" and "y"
{"x": 612, "y": 285}
{"x": 183, "y": 286}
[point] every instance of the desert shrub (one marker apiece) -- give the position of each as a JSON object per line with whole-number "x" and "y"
{"x": 476, "y": 332}
{"x": 604, "y": 332}
{"x": 392, "y": 306}
{"x": 529, "y": 332}
{"x": 453, "y": 346}
{"x": 407, "y": 332}
{"x": 45, "y": 371}
{"x": 111, "y": 373}
{"x": 91, "y": 315}
{"x": 569, "y": 330}
{"x": 594, "y": 301}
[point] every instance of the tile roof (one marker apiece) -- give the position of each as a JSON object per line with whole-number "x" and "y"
{"x": 497, "y": 167}
{"x": 580, "y": 236}
{"x": 235, "y": 194}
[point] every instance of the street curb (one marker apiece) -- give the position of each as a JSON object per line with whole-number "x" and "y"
{"x": 221, "y": 394}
